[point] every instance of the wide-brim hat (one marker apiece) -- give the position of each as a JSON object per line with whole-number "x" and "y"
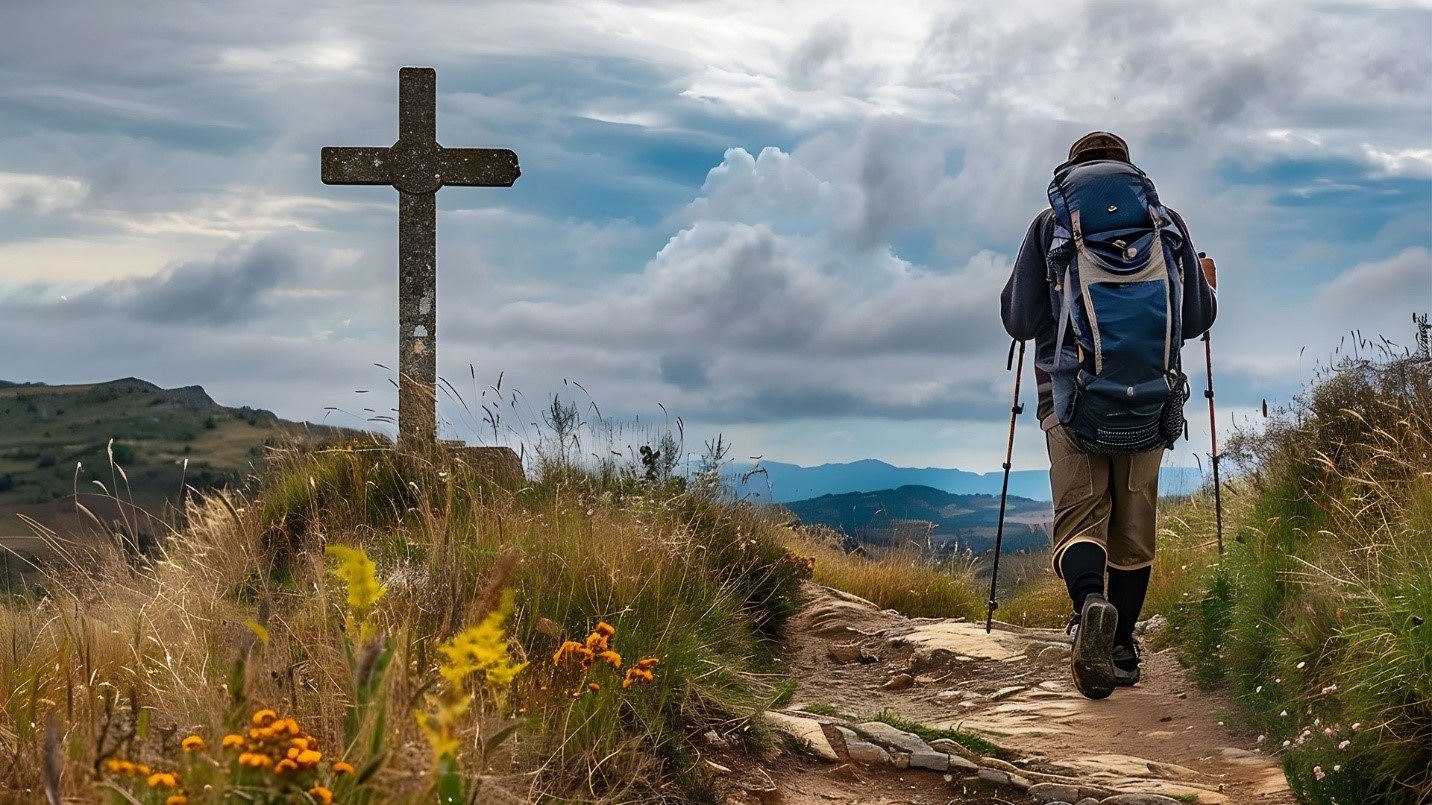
{"x": 1099, "y": 145}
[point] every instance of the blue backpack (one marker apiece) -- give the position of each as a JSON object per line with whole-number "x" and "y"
{"x": 1116, "y": 283}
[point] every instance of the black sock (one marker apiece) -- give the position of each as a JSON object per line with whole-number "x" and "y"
{"x": 1126, "y": 593}
{"x": 1082, "y": 566}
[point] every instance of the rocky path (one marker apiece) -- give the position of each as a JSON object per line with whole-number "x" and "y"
{"x": 1161, "y": 742}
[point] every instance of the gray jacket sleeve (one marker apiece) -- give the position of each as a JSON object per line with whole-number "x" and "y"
{"x": 1024, "y": 305}
{"x": 1200, "y": 303}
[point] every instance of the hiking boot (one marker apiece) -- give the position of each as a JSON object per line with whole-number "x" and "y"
{"x": 1126, "y": 665}
{"x": 1092, "y": 660}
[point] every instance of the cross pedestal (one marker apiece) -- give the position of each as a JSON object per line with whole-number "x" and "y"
{"x": 418, "y": 167}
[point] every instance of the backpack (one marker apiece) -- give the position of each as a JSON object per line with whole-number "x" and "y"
{"x": 1116, "y": 284}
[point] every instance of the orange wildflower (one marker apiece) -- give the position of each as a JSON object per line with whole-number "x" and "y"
{"x": 641, "y": 672}
{"x": 322, "y": 794}
{"x": 264, "y": 717}
{"x": 232, "y": 741}
{"x": 343, "y": 767}
{"x": 193, "y": 743}
{"x": 177, "y": 799}
{"x": 163, "y": 779}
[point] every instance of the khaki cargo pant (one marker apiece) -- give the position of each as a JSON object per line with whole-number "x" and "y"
{"x": 1107, "y": 499}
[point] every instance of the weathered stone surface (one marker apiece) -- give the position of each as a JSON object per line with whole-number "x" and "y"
{"x": 855, "y": 749}
{"x": 1173, "y": 771}
{"x": 1054, "y": 792}
{"x": 937, "y": 761}
{"x": 846, "y": 652}
{"x": 957, "y": 763}
{"x": 417, "y": 166}
{"x": 806, "y": 731}
{"x": 899, "y": 682}
{"x": 925, "y": 658}
{"x": 955, "y": 748}
{"x": 1139, "y": 799}
{"x": 1002, "y": 765}
{"x": 967, "y": 639}
{"x": 1005, "y": 693}
{"x": 886, "y": 735}
{"x": 1004, "y": 778}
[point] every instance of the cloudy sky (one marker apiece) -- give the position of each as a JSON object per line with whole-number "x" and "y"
{"x": 784, "y": 222}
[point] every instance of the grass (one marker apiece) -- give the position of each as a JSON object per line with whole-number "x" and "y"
{"x": 902, "y": 579}
{"x": 241, "y": 611}
{"x": 1315, "y": 616}
{"x": 970, "y": 741}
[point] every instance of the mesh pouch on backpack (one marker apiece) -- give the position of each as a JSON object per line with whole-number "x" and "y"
{"x": 1117, "y": 289}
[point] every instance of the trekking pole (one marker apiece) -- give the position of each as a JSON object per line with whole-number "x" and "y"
{"x": 1015, "y": 410}
{"x": 1213, "y": 434}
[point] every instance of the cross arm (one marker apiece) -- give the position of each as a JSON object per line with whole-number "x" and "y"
{"x": 356, "y": 165}
{"x": 480, "y": 167}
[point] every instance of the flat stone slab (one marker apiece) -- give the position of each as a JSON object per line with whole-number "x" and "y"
{"x": 966, "y": 639}
{"x": 883, "y": 733}
{"x": 806, "y": 730}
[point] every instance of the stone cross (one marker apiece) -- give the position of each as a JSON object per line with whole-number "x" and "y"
{"x": 417, "y": 166}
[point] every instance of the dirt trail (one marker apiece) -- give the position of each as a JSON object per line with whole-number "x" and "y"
{"x": 1162, "y": 736}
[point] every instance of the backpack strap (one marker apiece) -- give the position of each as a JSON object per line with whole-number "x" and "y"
{"x": 1064, "y": 306}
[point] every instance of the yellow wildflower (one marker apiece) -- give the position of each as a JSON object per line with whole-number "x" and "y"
{"x": 264, "y": 717}
{"x": 611, "y": 658}
{"x": 177, "y": 799}
{"x": 360, "y": 575}
{"x": 438, "y": 733}
{"x": 343, "y": 767}
{"x": 322, "y": 794}
{"x": 163, "y": 779}
{"x": 193, "y": 743}
{"x": 232, "y": 741}
{"x": 482, "y": 649}
{"x": 285, "y": 765}
{"x": 308, "y": 758}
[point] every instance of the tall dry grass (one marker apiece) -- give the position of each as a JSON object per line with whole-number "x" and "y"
{"x": 239, "y": 611}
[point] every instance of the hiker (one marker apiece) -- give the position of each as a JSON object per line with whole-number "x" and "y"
{"x": 1109, "y": 286}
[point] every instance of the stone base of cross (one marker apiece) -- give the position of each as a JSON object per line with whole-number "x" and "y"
{"x": 417, "y": 166}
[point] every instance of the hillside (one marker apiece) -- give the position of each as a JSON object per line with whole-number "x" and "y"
{"x": 929, "y": 517}
{"x": 57, "y": 441}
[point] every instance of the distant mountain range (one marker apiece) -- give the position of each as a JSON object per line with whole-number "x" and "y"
{"x": 777, "y": 482}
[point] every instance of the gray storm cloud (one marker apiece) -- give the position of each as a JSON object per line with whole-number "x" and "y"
{"x": 234, "y": 287}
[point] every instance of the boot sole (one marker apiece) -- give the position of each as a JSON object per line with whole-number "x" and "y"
{"x": 1092, "y": 659}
